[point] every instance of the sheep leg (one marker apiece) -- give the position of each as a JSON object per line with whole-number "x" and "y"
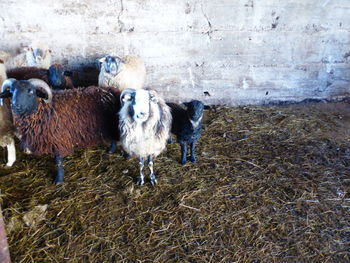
{"x": 152, "y": 175}
{"x": 141, "y": 179}
{"x": 11, "y": 153}
{"x": 60, "y": 170}
{"x": 183, "y": 152}
{"x": 193, "y": 152}
{"x": 113, "y": 147}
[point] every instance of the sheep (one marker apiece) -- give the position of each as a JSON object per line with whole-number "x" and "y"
{"x": 187, "y": 125}
{"x": 144, "y": 125}
{"x": 64, "y": 120}
{"x": 122, "y": 73}
{"x": 36, "y": 55}
{"x": 86, "y": 74}
{"x": 59, "y": 78}
{"x": 55, "y": 76}
{"x": 6, "y": 125}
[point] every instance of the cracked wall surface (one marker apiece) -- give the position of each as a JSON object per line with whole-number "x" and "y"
{"x": 222, "y": 52}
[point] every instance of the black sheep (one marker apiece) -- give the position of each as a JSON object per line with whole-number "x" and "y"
{"x": 187, "y": 125}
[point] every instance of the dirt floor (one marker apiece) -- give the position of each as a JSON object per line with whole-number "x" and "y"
{"x": 272, "y": 184}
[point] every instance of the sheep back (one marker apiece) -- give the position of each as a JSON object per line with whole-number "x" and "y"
{"x": 4, "y": 55}
{"x": 76, "y": 118}
{"x": 150, "y": 138}
{"x": 15, "y": 61}
{"x": 132, "y": 75}
{"x": 25, "y": 73}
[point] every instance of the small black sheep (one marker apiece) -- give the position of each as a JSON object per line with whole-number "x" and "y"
{"x": 187, "y": 125}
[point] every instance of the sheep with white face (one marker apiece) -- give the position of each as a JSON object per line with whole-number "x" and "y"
{"x": 144, "y": 124}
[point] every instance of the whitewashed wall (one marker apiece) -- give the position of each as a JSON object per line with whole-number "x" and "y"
{"x": 223, "y": 51}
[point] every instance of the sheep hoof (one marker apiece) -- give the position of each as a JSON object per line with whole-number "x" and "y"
{"x": 58, "y": 182}
{"x": 113, "y": 148}
{"x": 193, "y": 160}
{"x": 140, "y": 181}
{"x": 153, "y": 180}
{"x": 183, "y": 161}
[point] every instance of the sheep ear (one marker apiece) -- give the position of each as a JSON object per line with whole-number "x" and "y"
{"x": 153, "y": 96}
{"x": 41, "y": 94}
{"x": 101, "y": 60}
{"x": 5, "y": 94}
{"x": 126, "y": 96}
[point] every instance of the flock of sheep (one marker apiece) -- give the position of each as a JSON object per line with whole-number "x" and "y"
{"x": 42, "y": 107}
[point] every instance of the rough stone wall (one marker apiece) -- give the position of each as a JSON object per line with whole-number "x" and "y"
{"x": 223, "y": 51}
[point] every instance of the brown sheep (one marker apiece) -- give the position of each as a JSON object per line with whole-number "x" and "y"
{"x": 64, "y": 120}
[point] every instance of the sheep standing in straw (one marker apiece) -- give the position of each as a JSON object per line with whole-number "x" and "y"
{"x": 55, "y": 122}
{"x": 144, "y": 124}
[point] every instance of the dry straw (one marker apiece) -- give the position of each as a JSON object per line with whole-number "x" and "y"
{"x": 271, "y": 185}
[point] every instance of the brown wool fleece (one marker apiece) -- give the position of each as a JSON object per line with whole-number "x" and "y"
{"x": 76, "y": 118}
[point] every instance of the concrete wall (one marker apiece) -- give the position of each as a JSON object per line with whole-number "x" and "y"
{"x": 223, "y": 51}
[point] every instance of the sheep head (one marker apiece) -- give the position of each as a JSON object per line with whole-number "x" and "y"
{"x": 138, "y": 103}
{"x": 111, "y": 65}
{"x": 36, "y": 53}
{"x": 195, "y": 110}
{"x": 56, "y": 75}
{"x": 24, "y": 94}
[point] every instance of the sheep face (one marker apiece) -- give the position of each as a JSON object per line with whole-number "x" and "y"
{"x": 25, "y": 94}
{"x": 138, "y": 103}
{"x": 56, "y": 76}
{"x": 24, "y": 99}
{"x": 195, "y": 110}
{"x": 111, "y": 65}
{"x": 36, "y": 55}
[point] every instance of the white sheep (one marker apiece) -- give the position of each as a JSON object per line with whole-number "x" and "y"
{"x": 122, "y": 73}
{"x": 36, "y": 55}
{"x": 144, "y": 124}
{"x": 6, "y": 124}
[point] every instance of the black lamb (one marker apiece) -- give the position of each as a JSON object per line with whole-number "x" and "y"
{"x": 187, "y": 125}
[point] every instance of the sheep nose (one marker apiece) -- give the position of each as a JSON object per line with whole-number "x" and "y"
{"x": 38, "y": 58}
{"x": 140, "y": 115}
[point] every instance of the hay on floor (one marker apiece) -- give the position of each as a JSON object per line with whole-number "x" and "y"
{"x": 271, "y": 184}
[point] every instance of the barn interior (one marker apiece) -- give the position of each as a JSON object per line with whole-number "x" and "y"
{"x": 271, "y": 182}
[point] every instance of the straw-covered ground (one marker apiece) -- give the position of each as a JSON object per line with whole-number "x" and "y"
{"x": 272, "y": 184}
